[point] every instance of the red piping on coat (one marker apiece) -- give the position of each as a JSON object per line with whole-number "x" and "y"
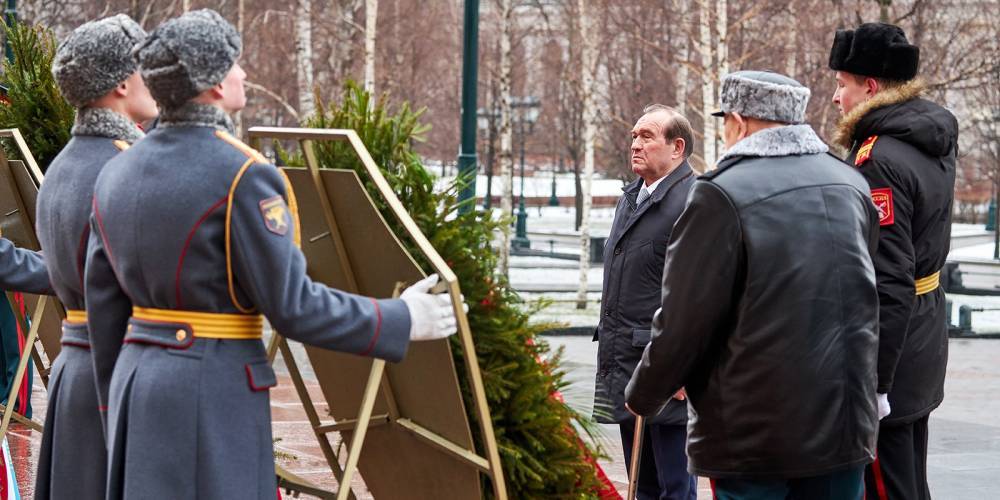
{"x": 187, "y": 243}
{"x": 378, "y": 328}
{"x": 253, "y": 385}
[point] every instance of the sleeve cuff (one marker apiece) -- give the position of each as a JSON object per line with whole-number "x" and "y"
{"x": 394, "y": 332}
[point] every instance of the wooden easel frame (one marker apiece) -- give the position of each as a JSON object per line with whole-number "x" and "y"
{"x": 31, "y": 349}
{"x": 377, "y": 383}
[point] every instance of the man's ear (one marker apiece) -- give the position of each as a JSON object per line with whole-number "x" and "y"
{"x": 871, "y": 87}
{"x": 122, "y": 89}
{"x": 217, "y": 91}
{"x": 742, "y": 126}
{"x": 679, "y": 147}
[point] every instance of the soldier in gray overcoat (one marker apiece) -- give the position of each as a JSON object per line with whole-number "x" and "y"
{"x": 193, "y": 243}
{"x": 97, "y": 74}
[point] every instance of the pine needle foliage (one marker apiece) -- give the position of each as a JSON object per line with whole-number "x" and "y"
{"x": 34, "y": 106}
{"x": 538, "y": 434}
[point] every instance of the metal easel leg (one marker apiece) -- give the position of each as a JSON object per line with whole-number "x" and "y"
{"x": 309, "y": 407}
{"x": 364, "y": 417}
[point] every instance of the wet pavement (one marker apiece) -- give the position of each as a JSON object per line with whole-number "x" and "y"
{"x": 964, "y": 449}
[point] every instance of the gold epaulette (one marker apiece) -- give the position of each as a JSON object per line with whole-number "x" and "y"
{"x": 865, "y": 151}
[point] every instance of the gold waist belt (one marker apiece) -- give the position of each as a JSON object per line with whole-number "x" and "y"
{"x": 928, "y": 284}
{"x": 205, "y": 324}
{"x": 76, "y": 316}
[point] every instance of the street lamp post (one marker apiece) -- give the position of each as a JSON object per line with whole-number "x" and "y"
{"x": 487, "y": 121}
{"x": 470, "y": 61}
{"x": 553, "y": 199}
{"x": 9, "y": 17}
{"x": 527, "y": 114}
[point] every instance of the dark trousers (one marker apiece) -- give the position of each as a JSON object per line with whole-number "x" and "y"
{"x": 846, "y": 484}
{"x": 663, "y": 471}
{"x": 900, "y": 468}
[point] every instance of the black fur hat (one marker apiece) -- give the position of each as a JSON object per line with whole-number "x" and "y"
{"x": 877, "y": 50}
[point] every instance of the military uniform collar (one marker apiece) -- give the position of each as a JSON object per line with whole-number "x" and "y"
{"x": 193, "y": 114}
{"x": 103, "y": 122}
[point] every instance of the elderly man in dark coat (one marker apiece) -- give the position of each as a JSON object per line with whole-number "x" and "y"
{"x": 769, "y": 314}
{"x": 906, "y": 147}
{"x": 194, "y": 242}
{"x": 97, "y": 74}
{"x": 662, "y": 141}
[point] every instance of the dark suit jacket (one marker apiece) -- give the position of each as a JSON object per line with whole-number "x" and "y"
{"x": 633, "y": 269}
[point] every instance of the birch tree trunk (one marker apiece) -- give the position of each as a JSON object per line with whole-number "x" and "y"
{"x": 722, "y": 32}
{"x": 371, "y": 21}
{"x": 240, "y": 14}
{"x": 706, "y": 48}
{"x": 588, "y": 67}
{"x": 506, "y": 131}
{"x": 303, "y": 57}
{"x": 683, "y": 56}
{"x": 791, "y": 64}
{"x": 722, "y": 67}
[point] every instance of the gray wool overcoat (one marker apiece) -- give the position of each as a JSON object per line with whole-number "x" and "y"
{"x": 72, "y": 460}
{"x": 191, "y": 219}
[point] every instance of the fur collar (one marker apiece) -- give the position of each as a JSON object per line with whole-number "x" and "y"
{"x": 103, "y": 122}
{"x": 844, "y": 136}
{"x": 779, "y": 141}
{"x": 193, "y": 114}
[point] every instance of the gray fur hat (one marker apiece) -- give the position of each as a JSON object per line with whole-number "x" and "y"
{"x": 765, "y": 96}
{"x": 95, "y": 58}
{"x": 187, "y": 55}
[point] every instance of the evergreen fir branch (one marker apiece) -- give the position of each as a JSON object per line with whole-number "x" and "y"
{"x": 35, "y": 105}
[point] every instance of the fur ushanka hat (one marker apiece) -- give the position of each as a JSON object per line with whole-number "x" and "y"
{"x": 187, "y": 55}
{"x": 95, "y": 58}
{"x": 765, "y": 96}
{"x": 877, "y": 50}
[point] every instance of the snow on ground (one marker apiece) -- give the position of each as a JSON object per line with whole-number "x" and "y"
{"x": 540, "y": 186}
{"x": 552, "y": 276}
{"x": 965, "y": 229}
{"x": 982, "y": 251}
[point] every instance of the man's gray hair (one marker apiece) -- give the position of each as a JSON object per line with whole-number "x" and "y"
{"x": 677, "y": 127}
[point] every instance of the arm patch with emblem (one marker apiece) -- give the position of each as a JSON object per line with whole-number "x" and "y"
{"x": 882, "y": 198}
{"x": 275, "y": 214}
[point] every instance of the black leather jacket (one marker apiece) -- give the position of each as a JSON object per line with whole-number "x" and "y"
{"x": 769, "y": 315}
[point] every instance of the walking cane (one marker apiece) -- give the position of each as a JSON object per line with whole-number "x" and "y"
{"x": 633, "y": 476}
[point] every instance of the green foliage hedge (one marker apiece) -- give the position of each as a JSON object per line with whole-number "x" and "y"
{"x": 34, "y": 104}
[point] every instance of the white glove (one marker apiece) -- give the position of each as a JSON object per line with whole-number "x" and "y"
{"x": 883, "y": 406}
{"x": 431, "y": 315}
